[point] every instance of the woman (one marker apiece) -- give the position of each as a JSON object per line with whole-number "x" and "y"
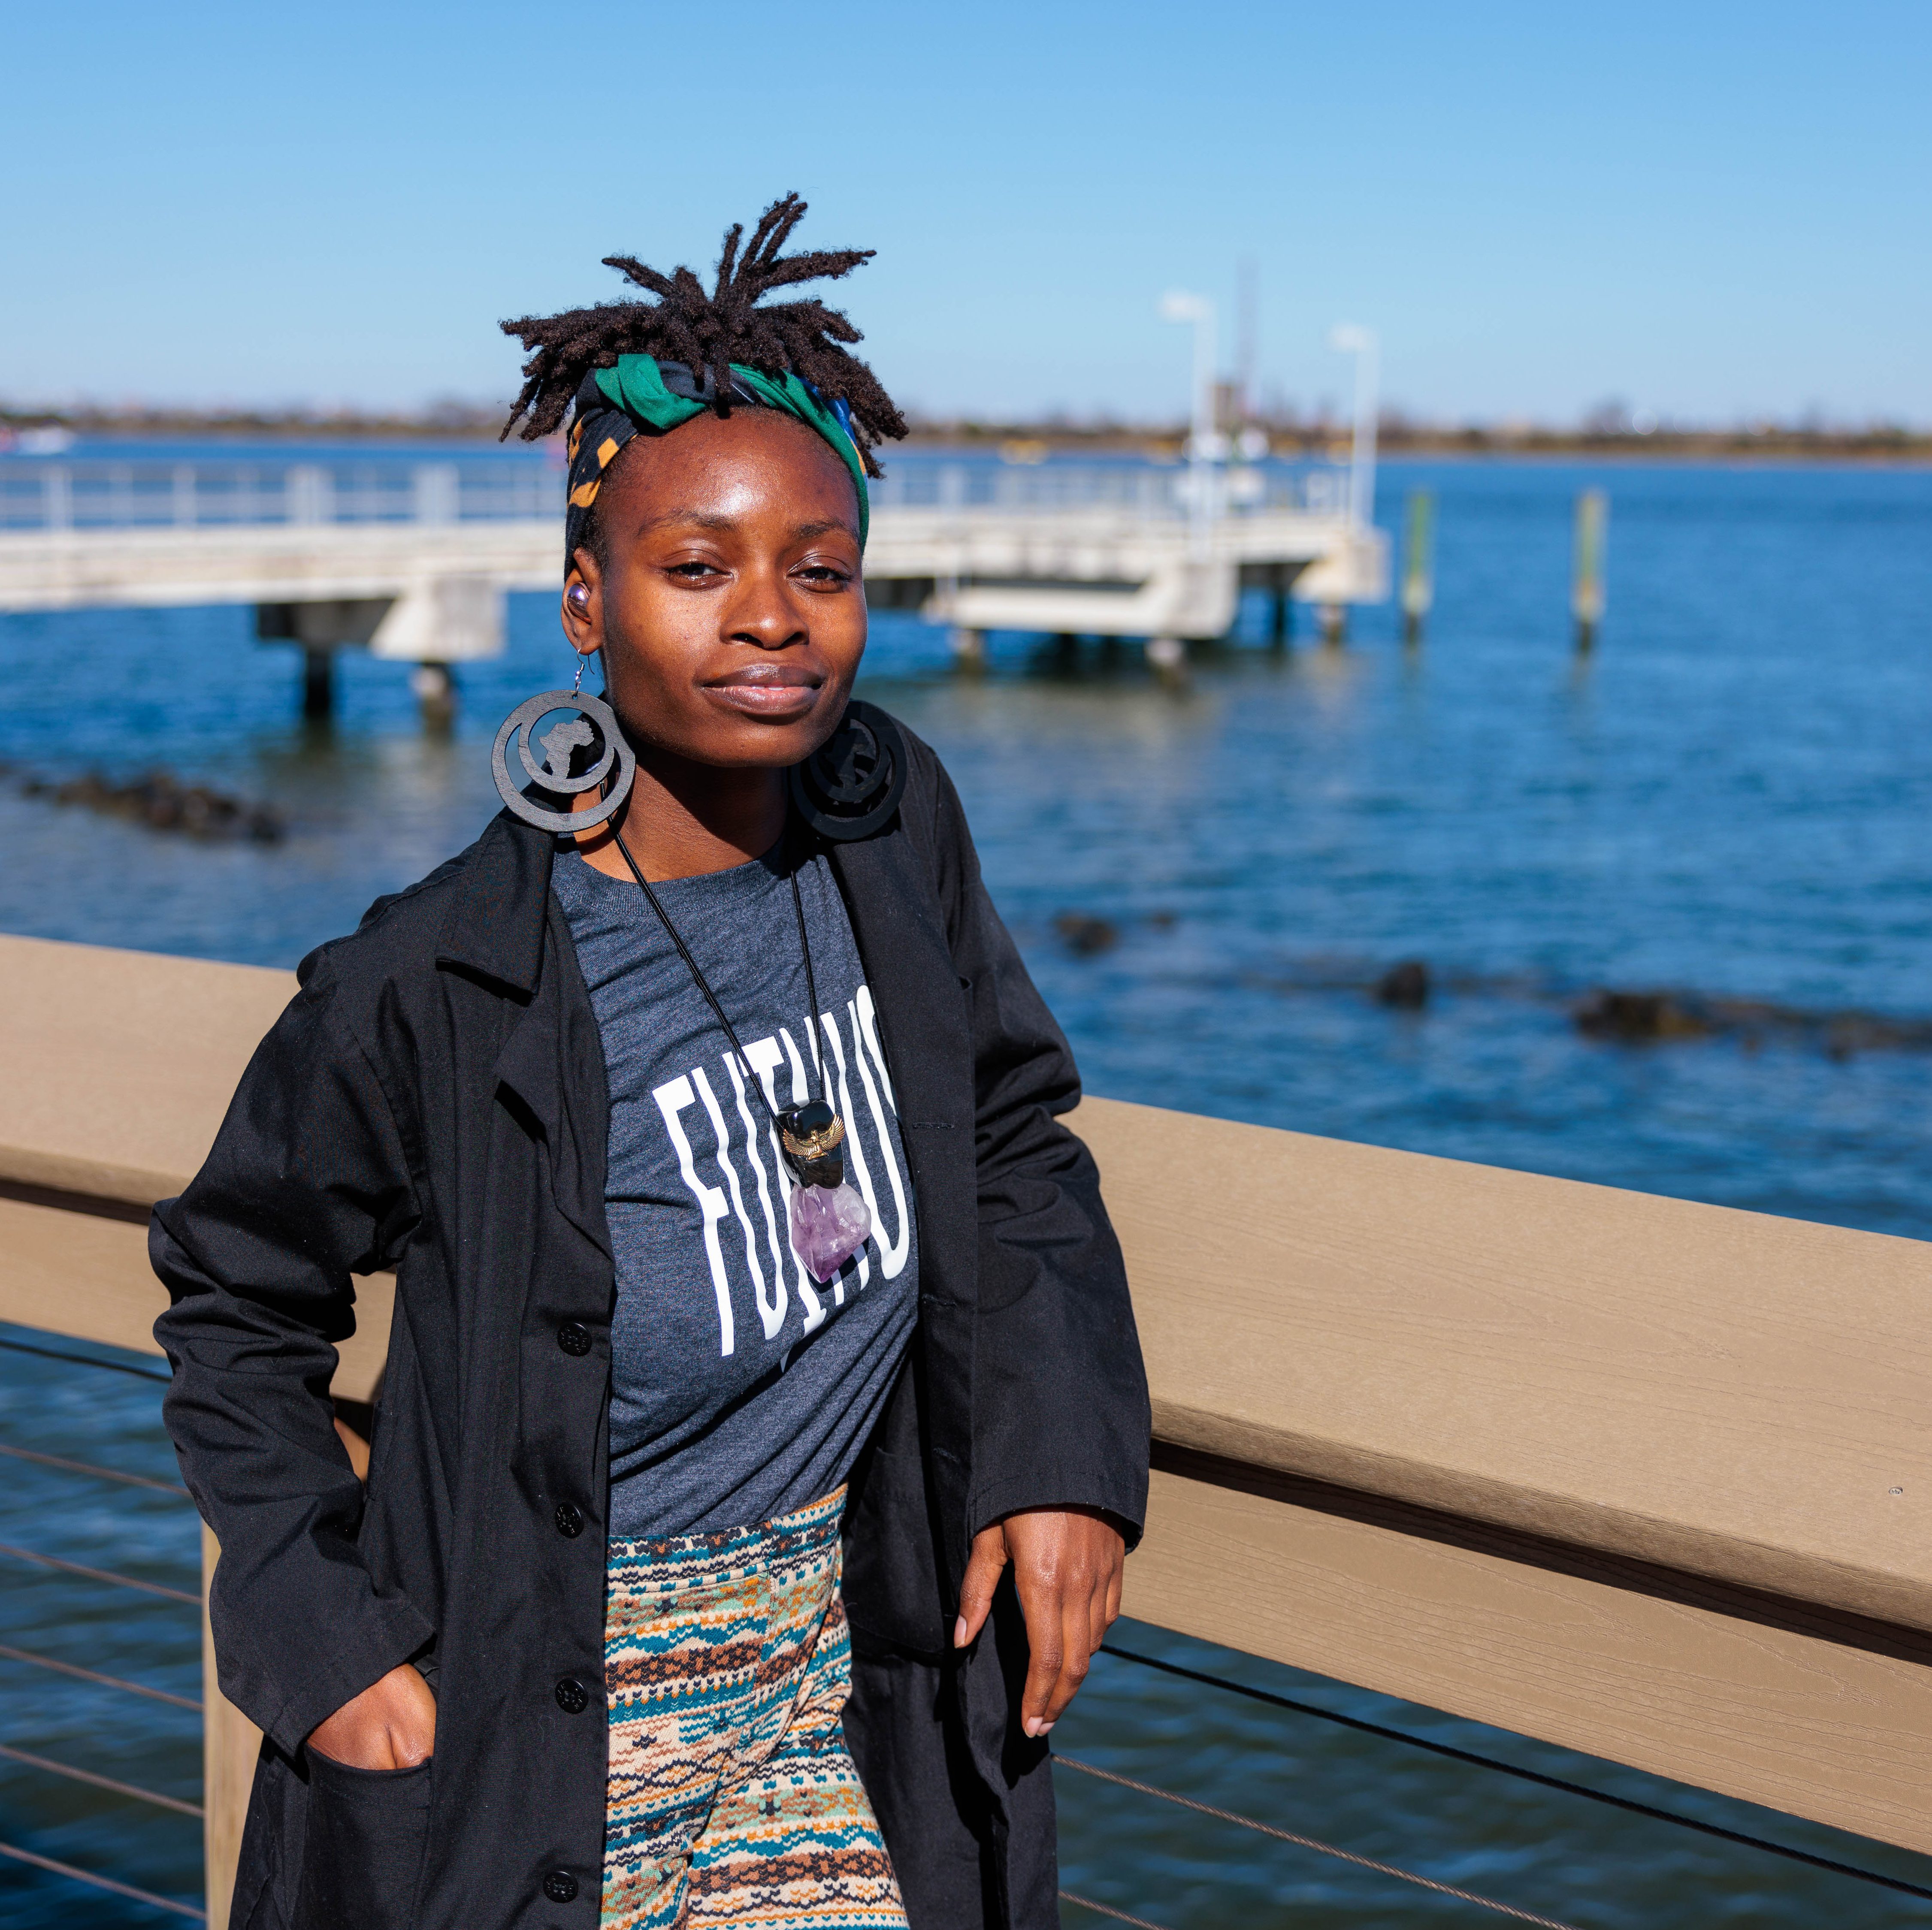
{"x": 707, "y": 1115}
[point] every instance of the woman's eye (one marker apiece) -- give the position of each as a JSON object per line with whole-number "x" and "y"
{"x": 693, "y": 570}
{"x": 824, "y": 573}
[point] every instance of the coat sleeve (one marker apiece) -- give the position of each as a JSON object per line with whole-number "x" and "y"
{"x": 307, "y": 1183}
{"x": 1060, "y": 1415}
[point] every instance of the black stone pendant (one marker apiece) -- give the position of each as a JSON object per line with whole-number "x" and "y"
{"x": 814, "y": 1139}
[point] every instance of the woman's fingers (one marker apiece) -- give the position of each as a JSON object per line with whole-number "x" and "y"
{"x": 1102, "y": 1607}
{"x": 983, "y": 1567}
{"x": 1076, "y": 1652}
{"x": 391, "y": 1725}
{"x": 1066, "y": 1567}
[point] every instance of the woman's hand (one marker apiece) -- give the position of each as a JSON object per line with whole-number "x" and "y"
{"x": 1066, "y": 1566}
{"x": 391, "y": 1725}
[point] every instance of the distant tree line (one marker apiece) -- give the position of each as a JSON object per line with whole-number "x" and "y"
{"x": 1609, "y": 430}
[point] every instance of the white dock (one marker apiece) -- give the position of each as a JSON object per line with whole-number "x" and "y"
{"x": 412, "y": 561}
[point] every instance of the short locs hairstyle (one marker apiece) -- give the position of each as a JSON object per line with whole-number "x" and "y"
{"x": 709, "y": 332}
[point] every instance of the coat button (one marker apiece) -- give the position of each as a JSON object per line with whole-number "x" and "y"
{"x": 574, "y": 1337}
{"x": 560, "y": 1886}
{"x": 572, "y": 1698}
{"x": 569, "y": 1518}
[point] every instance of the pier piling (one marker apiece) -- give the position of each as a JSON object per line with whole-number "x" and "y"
{"x": 1280, "y": 631}
{"x": 1280, "y": 606}
{"x": 435, "y": 687}
{"x": 969, "y": 650}
{"x": 1586, "y": 585}
{"x": 1418, "y": 583}
{"x": 1167, "y": 656}
{"x": 318, "y": 685}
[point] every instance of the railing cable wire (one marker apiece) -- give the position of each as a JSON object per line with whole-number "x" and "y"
{"x": 1558, "y": 1782}
{"x": 67, "y": 1870}
{"x": 107, "y": 1782}
{"x": 100, "y": 1575}
{"x": 93, "y": 1675}
{"x": 88, "y": 1467}
{"x": 88, "y": 1360}
{"x": 1108, "y": 1910}
{"x": 1312, "y": 1843}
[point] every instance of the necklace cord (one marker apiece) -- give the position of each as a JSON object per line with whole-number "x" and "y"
{"x": 704, "y": 985}
{"x": 811, "y": 985}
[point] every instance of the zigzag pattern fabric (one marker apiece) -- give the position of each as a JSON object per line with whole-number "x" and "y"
{"x": 733, "y": 1799}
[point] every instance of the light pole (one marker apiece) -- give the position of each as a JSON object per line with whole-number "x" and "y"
{"x": 1179, "y": 306}
{"x": 1352, "y": 339}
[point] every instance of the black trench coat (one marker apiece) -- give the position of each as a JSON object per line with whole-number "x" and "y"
{"x": 434, "y": 1099}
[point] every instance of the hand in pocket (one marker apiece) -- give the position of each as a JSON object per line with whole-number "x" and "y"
{"x": 391, "y": 1725}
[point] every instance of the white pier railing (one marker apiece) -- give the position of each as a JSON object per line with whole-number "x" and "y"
{"x": 411, "y": 559}
{"x": 52, "y": 497}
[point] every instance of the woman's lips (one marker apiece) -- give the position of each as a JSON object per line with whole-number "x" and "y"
{"x": 781, "y": 690}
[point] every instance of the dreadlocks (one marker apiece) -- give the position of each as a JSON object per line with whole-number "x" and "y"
{"x": 710, "y": 332}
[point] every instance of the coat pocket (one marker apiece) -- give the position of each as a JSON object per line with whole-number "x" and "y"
{"x": 363, "y": 1848}
{"x": 891, "y": 1581}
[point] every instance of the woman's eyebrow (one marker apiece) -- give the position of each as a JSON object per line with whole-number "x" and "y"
{"x": 800, "y": 532}
{"x": 696, "y": 515}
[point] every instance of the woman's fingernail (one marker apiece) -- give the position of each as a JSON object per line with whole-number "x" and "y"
{"x": 959, "y": 1633}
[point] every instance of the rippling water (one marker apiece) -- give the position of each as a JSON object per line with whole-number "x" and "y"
{"x": 1730, "y": 802}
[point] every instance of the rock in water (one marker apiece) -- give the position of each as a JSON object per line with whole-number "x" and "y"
{"x": 829, "y": 1225}
{"x": 1086, "y": 937}
{"x": 1405, "y": 987}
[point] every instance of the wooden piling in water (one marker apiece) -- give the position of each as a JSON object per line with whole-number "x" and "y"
{"x": 1167, "y": 658}
{"x": 1586, "y": 575}
{"x": 1280, "y": 632}
{"x": 1418, "y": 582}
{"x": 969, "y": 650}
{"x": 1280, "y": 606}
{"x": 318, "y": 684}
{"x": 435, "y": 687}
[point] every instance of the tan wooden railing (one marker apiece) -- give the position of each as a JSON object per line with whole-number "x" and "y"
{"x": 1649, "y": 1479}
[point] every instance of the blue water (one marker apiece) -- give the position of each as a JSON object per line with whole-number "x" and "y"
{"x": 1730, "y": 800}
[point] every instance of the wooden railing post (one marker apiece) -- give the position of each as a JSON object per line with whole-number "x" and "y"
{"x": 229, "y": 1745}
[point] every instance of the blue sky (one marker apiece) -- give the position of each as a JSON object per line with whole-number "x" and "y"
{"x": 1710, "y": 210}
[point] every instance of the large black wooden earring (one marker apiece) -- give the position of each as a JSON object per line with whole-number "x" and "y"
{"x": 594, "y": 723}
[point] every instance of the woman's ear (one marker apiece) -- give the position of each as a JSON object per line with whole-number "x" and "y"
{"x": 584, "y": 604}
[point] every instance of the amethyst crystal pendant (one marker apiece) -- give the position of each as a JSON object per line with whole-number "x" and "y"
{"x": 829, "y": 1221}
{"x": 829, "y": 1225}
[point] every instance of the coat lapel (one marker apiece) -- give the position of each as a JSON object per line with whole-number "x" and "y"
{"x": 897, "y": 923}
{"x": 505, "y": 927}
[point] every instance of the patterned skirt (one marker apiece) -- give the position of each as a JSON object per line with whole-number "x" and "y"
{"x": 733, "y": 1799}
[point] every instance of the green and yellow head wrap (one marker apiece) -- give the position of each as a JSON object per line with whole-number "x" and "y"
{"x": 641, "y": 392}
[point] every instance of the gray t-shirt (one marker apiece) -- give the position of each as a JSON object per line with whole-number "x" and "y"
{"x": 741, "y": 1388}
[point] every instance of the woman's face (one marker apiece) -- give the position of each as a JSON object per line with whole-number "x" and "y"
{"x": 731, "y": 610}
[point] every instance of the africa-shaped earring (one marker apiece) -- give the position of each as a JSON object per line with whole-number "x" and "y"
{"x": 594, "y": 727}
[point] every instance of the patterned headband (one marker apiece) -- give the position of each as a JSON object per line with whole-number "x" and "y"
{"x": 641, "y": 393}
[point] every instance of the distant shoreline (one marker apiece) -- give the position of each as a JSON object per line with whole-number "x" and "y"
{"x": 27, "y": 432}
